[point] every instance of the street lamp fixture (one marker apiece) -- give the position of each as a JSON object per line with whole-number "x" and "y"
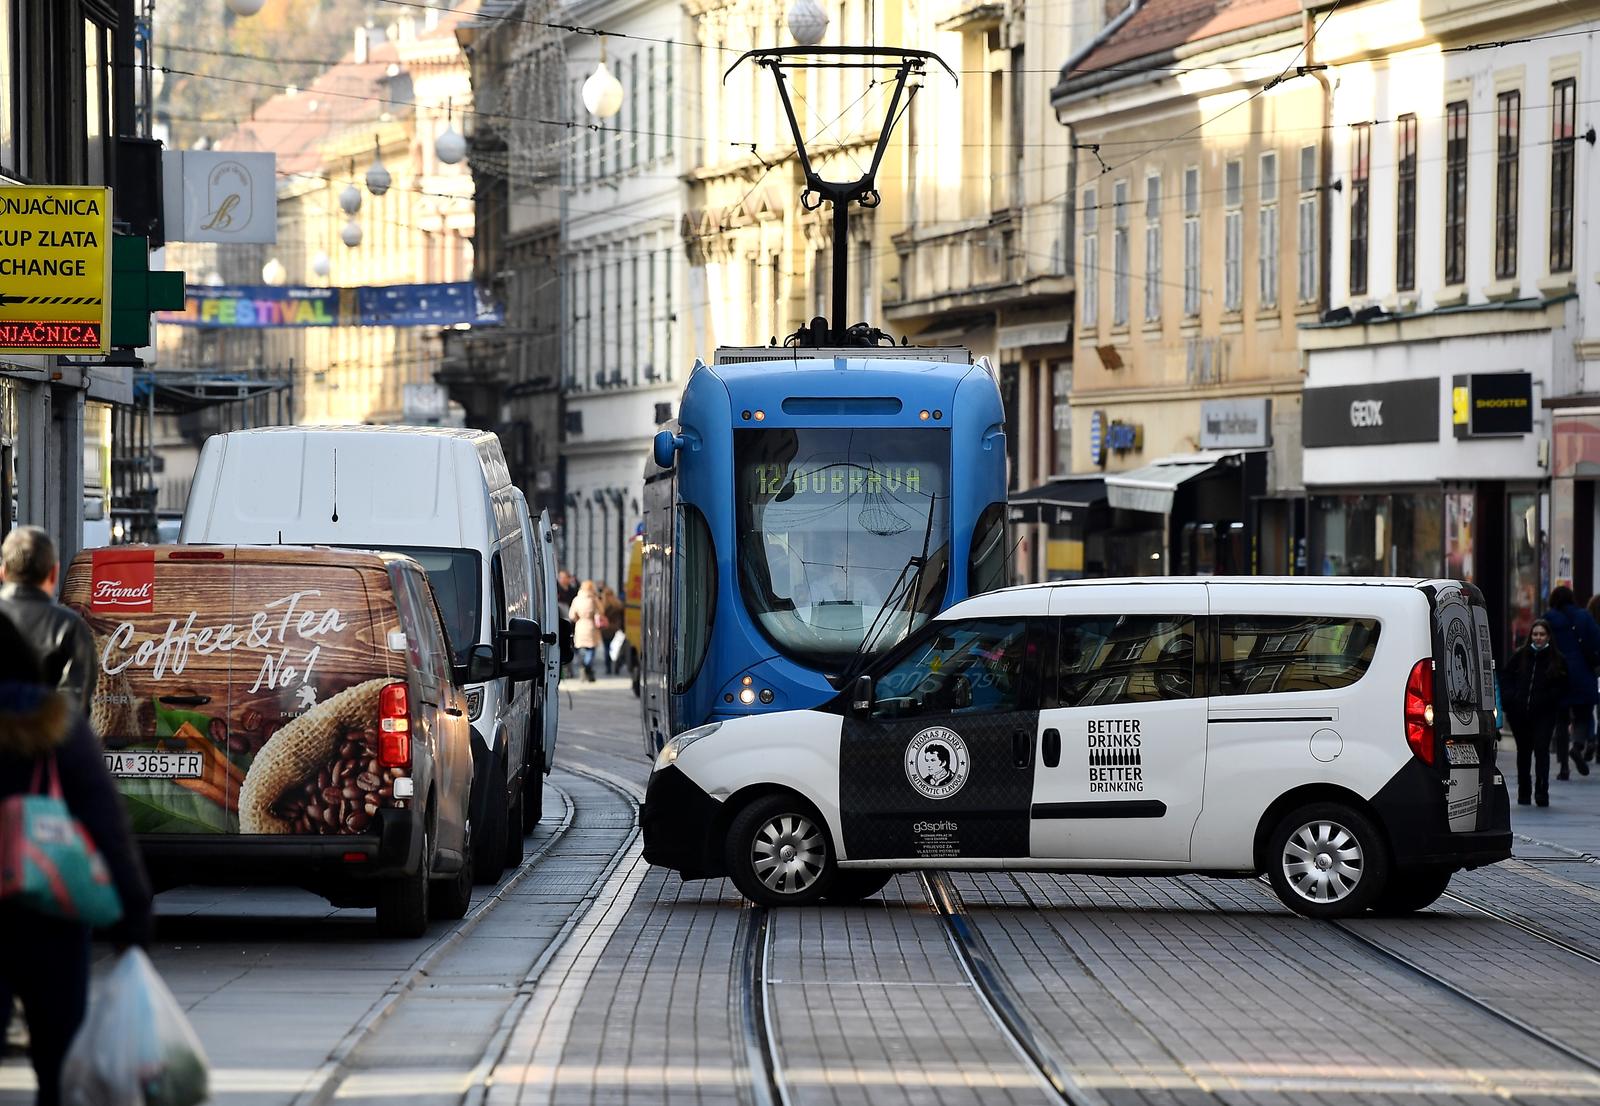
{"x": 602, "y": 92}
{"x": 450, "y": 147}
{"x": 350, "y": 235}
{"x": 378, "y": 178}
{"x": 322, "y": 265}
{"x": 274, "y": 273}
{"x": 245, "y": 7}
{"x": 808, "y": 22}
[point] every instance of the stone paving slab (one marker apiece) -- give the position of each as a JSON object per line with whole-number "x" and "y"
{"x": 1169, "y": 987}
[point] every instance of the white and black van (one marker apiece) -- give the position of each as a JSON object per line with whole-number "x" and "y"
{"x": 442, "y": 496}
{"x": 1336, "y": 735}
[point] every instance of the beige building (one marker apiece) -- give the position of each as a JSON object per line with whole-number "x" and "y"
{"x": 1199, "y": 228}
{"x": 983, "y": 238}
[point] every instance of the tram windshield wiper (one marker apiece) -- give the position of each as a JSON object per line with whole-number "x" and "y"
{"x": 903, "y": 593}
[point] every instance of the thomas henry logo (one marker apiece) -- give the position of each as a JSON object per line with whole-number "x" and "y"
{"x": 123, "y": 581}
{"x": 937, "y": 763}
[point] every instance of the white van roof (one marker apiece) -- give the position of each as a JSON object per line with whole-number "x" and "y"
{"x": 1009, "y": 601}
{"x": 345, "y": 485}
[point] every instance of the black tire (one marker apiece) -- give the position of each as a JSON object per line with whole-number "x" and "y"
{"x": 1412, "y": 889}
{"x": 780, "y": 822}
{"x": 533, "y": 792}
{"x": 853, "y": 886}
{"x": 403, "y": 900}
{"x": 1351, "y": 873}
{"x": 452, "y": 896}
{"x": 513, "y": 834}
{"x": 486, "y": 862}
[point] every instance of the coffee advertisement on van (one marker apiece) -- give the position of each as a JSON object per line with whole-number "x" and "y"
{"x": 240, "y": 695}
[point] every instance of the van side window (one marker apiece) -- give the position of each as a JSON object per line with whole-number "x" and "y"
{"x": 1133, "y": 658}
{"x": 1262, "y": 654}
{"x": 497, "y": 580}
{"x": 405, "y": 599}
{"x": 979, "y": 667}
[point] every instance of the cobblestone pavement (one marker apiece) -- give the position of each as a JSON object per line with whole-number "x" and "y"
{"x": 596, "y": 979}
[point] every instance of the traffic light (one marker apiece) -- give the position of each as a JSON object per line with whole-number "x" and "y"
{"x": 136, "y": 291}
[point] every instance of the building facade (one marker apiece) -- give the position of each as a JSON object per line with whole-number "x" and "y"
{"x": 1460, "y": 345}
{"x": 67, "y": 93}
{"x": 1198, "y": 223}
{"x": 983, "y": 240}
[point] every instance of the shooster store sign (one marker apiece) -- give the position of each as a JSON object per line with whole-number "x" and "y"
{"x": 55, "y": 276}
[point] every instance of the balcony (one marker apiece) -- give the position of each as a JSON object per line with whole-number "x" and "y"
{"x": 976, "y": 264}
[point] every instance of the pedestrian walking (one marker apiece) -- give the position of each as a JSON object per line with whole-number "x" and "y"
{"x": 585, "y": 634}
{"x": 1534, "y": 686}
{"x": 566, "y": 589}
{"x": 61, "y": 640}
{"x": 44, "y": 961}
{"x": 1578, "y": 637}
{"x": 615, "y": 615}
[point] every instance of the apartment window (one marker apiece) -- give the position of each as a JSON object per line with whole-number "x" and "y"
{"x": 633, "y": 111}
{"x": 637, "y": 325}
{"x": 96, "y": 101}
{"x": 650, "y": 103}
{"x": 1267, "y": 234}
{"x": 666, "y": 99}
{"x": 1455, "y": 193}
{"x": 1360, "y": 182}
{"x": 1233, "y": 236}
{"x": 1405, "y": 243}
{"x": 1089, "y": 282}
{"x": 1507, "y": 128}
{"x": 1191, "y": 242}
{"x": 1152, "y": 248}
{"x": 1563, "y": 150}
{"x": 1119, "y": 254}
{"x": 1306, "y": 218}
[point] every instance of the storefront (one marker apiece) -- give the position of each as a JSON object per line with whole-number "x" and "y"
{"x": 1430, "y": 476}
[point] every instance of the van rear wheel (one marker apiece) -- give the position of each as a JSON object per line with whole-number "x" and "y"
{"x": 1327, "y": 860}
{"x": 778, "y": 854}
{"x": 1412, "y": 889}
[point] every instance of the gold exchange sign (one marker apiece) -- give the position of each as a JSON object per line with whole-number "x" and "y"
{"x": 55, "y": 276}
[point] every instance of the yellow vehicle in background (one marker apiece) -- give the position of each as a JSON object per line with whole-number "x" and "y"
{"x": 632, "y": 597}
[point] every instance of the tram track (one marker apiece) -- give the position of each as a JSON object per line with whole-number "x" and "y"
{"x": 341, "y": 1065}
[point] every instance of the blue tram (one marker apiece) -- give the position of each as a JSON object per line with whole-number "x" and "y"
{"x": 807, "y": 509}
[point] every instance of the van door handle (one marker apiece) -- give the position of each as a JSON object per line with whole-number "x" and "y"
{"x": 186, "y": 700}
{"x": 1021, "y": 748}
{"x": 453, "y": 712}
{"x": 1052, "y": 748}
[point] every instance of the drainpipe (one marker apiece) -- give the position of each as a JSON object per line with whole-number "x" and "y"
{"x": 1308, "y": 31}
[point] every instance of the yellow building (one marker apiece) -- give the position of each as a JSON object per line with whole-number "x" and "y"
{"x": 1200, "y": 228}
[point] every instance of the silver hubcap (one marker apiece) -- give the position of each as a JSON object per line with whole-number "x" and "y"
{"x": 1322, "y": 861}
{"x": 788, "y": 853}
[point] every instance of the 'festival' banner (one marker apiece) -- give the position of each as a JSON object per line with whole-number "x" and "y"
{"x": 256, "y": 306}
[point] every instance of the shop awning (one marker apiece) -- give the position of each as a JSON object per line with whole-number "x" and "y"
{"x": 1153, "y": 487}
{"x": 1056, "y": 501}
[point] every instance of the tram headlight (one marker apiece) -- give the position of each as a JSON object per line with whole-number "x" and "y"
{"x": 747, "y": 695}
{"x": 670, "y": 751}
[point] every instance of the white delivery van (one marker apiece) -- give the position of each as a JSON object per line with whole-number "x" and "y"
{"x": 440, "y": 495}
{"x": 539, "y": 534}
{"x": 1337, "y": 736}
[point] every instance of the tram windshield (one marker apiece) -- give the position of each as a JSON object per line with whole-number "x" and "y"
{"x": 843, "y": 535}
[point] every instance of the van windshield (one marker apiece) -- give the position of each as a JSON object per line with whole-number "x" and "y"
{"x": 455, "y": 576}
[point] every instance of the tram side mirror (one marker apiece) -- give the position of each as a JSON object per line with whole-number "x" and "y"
{"x": 667, "y": 445}
{"x": 861, "y": 698}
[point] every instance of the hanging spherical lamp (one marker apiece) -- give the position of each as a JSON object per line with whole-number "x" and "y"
{"x": 449, "y": 147}
{"x": 322, "y": 265}
{"x": 274, "y": 273}
{"x": 378, "y": 178}
{"x": 602, "y": 92}
{"x": 350, "y": 199}
{"x": 350, "y": 235}
{"x": 245, "y": 7}
{"x": 808, "y": 22}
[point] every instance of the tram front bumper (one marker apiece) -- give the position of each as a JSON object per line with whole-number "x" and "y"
{"x": 678, "y": 821}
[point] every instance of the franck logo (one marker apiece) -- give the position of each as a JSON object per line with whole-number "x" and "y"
{"x": 936, "y": 762}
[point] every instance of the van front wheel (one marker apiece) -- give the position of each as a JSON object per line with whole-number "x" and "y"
{"x": 778, "y": 853}
{"x": 403, "y": 900}
{"x": 487, "y": 861}
{"x": 1327, "y": 860}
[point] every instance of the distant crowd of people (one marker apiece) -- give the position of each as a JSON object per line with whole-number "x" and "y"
{"x": 598, "y": 621}
{"x": 1550, "y": 691}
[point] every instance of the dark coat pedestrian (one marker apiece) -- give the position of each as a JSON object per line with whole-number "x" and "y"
{"x": 44, "y": 961}
{"x": 1534, "y": 684}
{"x": 1578, "y": 637}
{"x": 61, "y": 640}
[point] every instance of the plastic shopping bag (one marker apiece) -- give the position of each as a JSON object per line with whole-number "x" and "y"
{"x": 135, "y": 1048}
{"x": 618, "y": 643}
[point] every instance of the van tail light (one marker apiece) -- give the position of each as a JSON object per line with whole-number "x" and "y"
{"x": 1419, "y": 710}
{"x": 394, "y": 727}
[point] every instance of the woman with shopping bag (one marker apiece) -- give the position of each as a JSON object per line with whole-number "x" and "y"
{"x": 53, "y": 885}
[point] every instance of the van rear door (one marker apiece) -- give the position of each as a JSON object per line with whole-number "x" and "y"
{"x": 165, "y": 640}
{"x": 1465, "y": 734}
